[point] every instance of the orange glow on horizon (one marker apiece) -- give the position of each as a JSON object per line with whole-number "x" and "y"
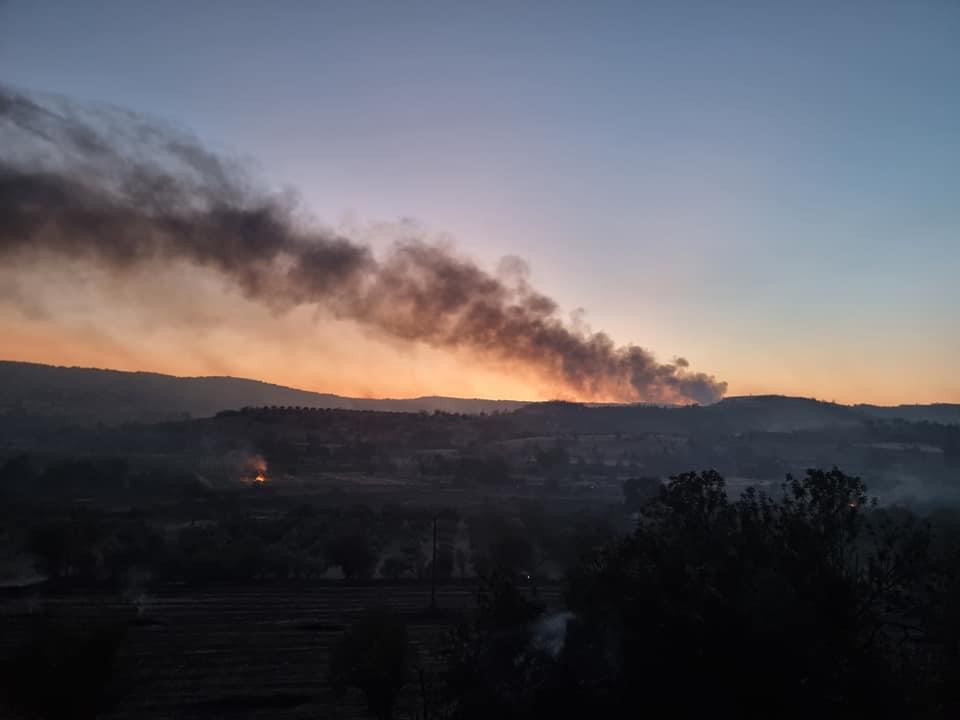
{"x": 406, "y": 375}
{"x": 98, "y": 320}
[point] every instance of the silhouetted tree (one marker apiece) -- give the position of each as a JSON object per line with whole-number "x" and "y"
{"x": 373, "y": 656}
{"x": 490, "y": 672}
{"x": 790, "y": 596}
{"x": 639, "y": 490}
{"x": 355, "y": 555}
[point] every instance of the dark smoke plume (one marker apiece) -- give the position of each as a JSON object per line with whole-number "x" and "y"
{"x": 113, "y": 187}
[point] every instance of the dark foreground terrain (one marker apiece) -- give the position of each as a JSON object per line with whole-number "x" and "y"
{"x": 251, "y": 652}
{"x": 814, "y": 602}
{"x": 279, "y": 561}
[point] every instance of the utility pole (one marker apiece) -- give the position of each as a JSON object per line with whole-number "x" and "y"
{"x": 433, "y": 569}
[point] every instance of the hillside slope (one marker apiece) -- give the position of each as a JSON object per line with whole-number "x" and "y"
{"x": 89, "y": 396}
{"x": 86, "y": 395}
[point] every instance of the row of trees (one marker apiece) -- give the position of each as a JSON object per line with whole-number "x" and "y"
{"x": 305, "y": 542}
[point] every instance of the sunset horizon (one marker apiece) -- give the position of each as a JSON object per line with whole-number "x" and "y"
{"x": 374, "y": 395}
{"x": 629, "y": 249}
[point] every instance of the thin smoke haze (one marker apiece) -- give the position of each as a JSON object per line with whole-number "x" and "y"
{"x": 110, "y": 186}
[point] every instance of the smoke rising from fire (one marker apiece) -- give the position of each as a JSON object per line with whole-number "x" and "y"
{"x": 123, "y": 191}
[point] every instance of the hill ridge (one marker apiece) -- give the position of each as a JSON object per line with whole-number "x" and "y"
{"x": 88, "y": 395}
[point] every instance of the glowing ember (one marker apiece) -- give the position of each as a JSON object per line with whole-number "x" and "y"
{"x": 261, "y": 478}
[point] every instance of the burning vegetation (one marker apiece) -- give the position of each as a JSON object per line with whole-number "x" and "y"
{"x": 255, "y": 470}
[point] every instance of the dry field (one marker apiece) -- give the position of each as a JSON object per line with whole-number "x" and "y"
{"x": 248, "y": 652}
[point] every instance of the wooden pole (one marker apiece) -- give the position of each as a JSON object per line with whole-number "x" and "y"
{"x": 433, "y": 569}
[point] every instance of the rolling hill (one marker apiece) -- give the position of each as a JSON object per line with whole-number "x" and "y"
{"x": 88, "y": 396}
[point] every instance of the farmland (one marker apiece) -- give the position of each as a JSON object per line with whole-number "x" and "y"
{"x": 244, "y": 651}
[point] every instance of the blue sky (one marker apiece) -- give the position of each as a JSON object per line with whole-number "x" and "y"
{"x": 769, "y": 189}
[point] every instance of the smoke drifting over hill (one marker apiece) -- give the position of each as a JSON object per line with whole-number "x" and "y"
{"x": 121, "y": 190}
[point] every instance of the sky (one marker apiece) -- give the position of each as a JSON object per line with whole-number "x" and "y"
{"x": 770, "y": 190}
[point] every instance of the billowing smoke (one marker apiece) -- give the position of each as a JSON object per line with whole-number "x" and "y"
{"x": 113, "y": 187}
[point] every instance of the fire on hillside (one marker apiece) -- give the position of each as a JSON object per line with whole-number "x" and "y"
{"x": 256, "y": 470}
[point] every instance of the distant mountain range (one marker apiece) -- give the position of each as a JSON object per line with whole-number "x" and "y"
{"x": 88, "y": 396}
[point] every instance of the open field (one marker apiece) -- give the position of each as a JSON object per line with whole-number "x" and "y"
{"x": 245, "y": 652}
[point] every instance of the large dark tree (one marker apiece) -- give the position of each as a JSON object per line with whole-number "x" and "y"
{"x": 750, "y": 608}
{"x": 807, "y": 604}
